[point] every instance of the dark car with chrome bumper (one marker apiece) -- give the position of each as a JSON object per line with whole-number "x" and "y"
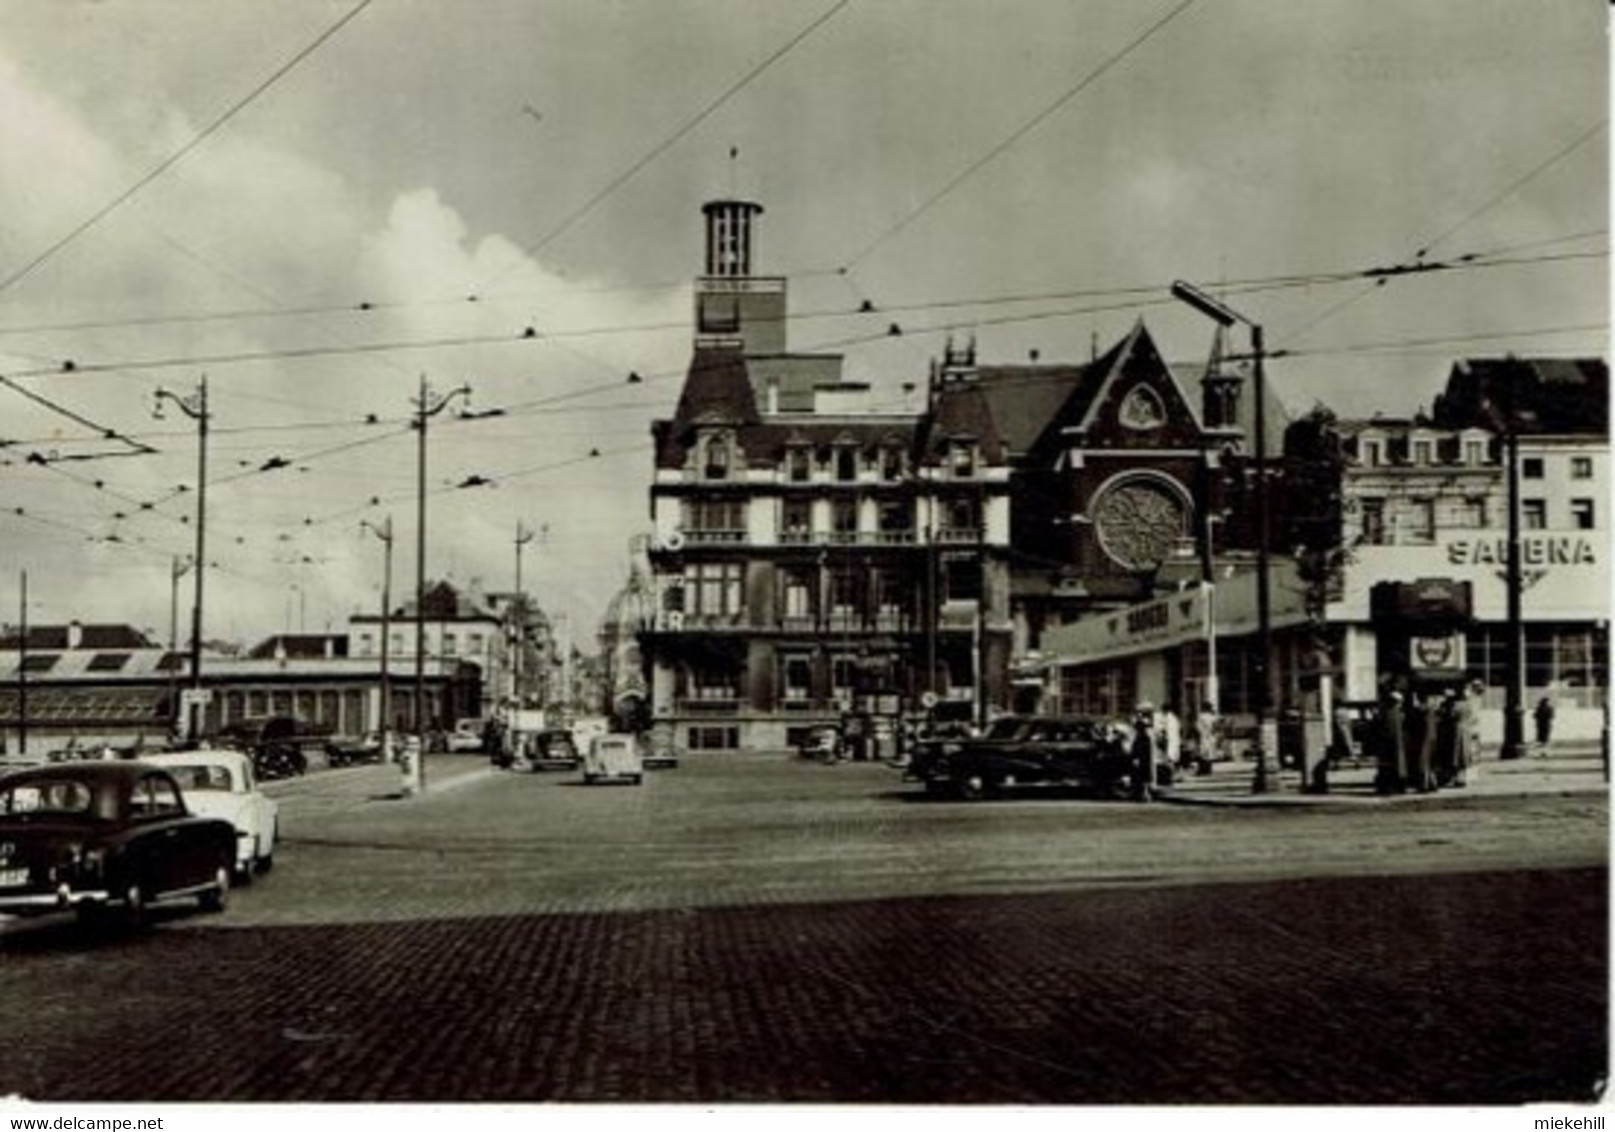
{"x": 1024, "y": 751}
{"x": 107, "y": 839}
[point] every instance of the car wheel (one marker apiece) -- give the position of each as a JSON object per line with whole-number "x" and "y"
{"x": 263, "y": 864}
{"x": 131, "y": 914}
{"x": 217, "y": 898}
{"x": 972, "y": 787}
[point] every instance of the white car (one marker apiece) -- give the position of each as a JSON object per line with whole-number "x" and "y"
{"x": 220, "y": 783}
{"x": 614, "y": 758}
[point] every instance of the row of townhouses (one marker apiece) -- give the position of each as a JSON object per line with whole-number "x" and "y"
{"x": 112, "y": 683}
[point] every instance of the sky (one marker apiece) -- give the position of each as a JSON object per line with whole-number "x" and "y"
{"x": 317, "y": 204}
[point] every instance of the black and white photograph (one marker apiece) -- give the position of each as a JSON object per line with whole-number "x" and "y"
{"x": 930, "y": 558}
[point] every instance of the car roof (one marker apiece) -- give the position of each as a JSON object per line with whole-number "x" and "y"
{"x": 115, "y": 773}
{"x": 202, "y": 756}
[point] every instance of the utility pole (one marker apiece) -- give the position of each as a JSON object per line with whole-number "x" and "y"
{"x": 176, "y": 571}
{"x": 1513, "y": 746}
{"x": 195, "y": 407}
{"x": 1266, "y": 777}
{"x": 22, "y": 674}
{"x": 427, "y": 406}
{"x": 385, "y": 533}
{"x": 518, "y": 611}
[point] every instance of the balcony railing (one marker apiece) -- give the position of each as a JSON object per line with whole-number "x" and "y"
{"x": 710, "y": 537}
{"x": 956, "y": 535}
{"x": 706, "y": 705}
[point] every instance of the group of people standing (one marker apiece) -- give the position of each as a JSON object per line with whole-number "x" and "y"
{"x": 1427, "y": 738}
{"x": 1160, "y": 745}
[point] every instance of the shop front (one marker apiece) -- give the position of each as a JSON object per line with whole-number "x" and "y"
{"x": 1564, "y": 607}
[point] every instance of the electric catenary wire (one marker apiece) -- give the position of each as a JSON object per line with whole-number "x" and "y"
{"x": 1025, "y": 128}
{"x": 183, "y": 151}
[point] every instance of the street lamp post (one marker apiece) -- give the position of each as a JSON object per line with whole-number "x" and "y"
{"x": 176, "y": 570}
{"x": 1213, "y": 693}
{"x": 385, "y": 533}
{"x": 1266, "y": 776}
{"x": 195, "y": 407}
{"x": 22, "y": 672}
{"x": 1513, "y": 746}
{"x": 427, "y": 406}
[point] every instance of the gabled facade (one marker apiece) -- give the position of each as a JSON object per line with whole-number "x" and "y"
{"x": 811, "y": 560}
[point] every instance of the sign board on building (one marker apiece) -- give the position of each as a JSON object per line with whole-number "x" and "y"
{"x": 1427, "y": 600}
{"x": 1437, "y": 654}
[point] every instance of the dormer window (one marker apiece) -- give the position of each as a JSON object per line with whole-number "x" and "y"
{"x": 1373, "y": 452}
{"x": 1423, "y": 453}
{"x": 846, "y": 463}
{"x": 798, "y": 464}
{"x": 891, "y": 463}
{"x": 717, "y": 463}
{"x": 962, "y": 459}
{"x": 1474, "y": 452}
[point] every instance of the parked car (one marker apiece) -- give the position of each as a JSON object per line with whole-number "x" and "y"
{"x": 614, "y": 757}
{"x": 107, "y": 837}
{"x": 221, "y": 784}
{"x": 821, "y": 744}
{"x": 550, "y": 749}
{"x": 279, "y": 744}
{"x": 354, "y": 752}
{"x": 657, "y": 755}
{"x": 1018, "y": 751}
{"x": 469, "y": 735}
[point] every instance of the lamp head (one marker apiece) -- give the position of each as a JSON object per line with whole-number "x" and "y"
{"x": 1204, "y": 303}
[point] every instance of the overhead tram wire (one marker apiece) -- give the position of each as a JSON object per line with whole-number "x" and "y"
{"x": 1485, "y": 206}
{"x": 589, "y": 205}
{"x": 366, "y": 307}
{"x": 183, "y": 151}
{"x": 73, "y": 366}
{"x": 1021, "y": 131}
{"x": 67, "y": 367}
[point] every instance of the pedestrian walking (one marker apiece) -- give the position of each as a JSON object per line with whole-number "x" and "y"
{"x": 1171, "y": 738}
{"x": 1469, "y": 705}
{"x": 1143, "y": 753}
{"x": 1447, "y": 739}
{"x": 1544, "y": 725}
{"x": 1391, "y": 738}
{"x": 1208, "y": 736}
{"x": 1465, "y": 734}
{"x": 1420, "y": 727}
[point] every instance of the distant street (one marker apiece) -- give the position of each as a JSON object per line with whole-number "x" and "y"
{"x": 756, "y": 928}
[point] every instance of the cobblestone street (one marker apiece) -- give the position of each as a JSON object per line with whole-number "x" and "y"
{"x": 762, "y": 930}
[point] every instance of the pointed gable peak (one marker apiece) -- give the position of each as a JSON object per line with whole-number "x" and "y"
{"x": 717, "y": 390}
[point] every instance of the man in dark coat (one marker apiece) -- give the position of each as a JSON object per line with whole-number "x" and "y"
{"x": 1544, "y": 724}
{"x": 1421, "y": 743}
{"x": 1393, "y": 761}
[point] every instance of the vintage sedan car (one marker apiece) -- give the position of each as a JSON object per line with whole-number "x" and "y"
{"x": 614, "y": 757}
{"x": 221, "y": 783}
{"x": 1018, "y": 751}
{"x": 107, "y": 839}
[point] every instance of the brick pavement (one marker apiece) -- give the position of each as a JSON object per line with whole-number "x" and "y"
{"x": 768, "y": 930}
{"x": 1478, "y": 988}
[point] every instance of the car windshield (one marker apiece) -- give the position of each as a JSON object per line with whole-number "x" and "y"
{"x": 1005, "y": 729}
{"x": 202, "y": 777}
{"x": 50, "y": 796}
